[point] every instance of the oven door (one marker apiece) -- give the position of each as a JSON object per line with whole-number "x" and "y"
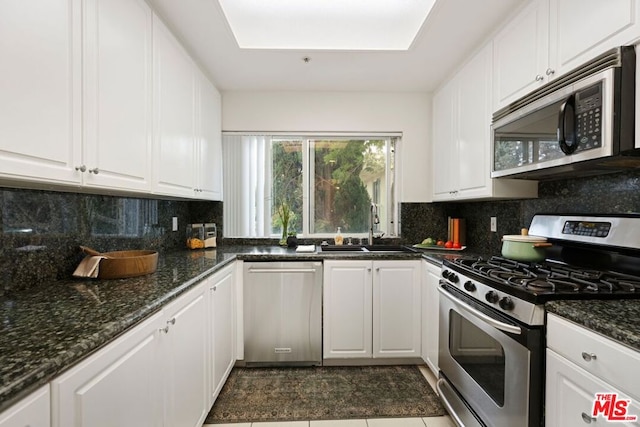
{"x": 491, "y": 362}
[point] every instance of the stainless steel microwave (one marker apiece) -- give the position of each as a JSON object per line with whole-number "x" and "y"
{"x": 582, "y": 123}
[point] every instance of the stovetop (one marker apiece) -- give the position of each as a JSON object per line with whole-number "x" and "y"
{"x": 545, "y": 281}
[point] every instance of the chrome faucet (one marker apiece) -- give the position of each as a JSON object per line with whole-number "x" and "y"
{"x": 373, "y": 219}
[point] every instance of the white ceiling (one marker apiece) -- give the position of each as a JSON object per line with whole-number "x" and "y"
{"x": 453, "y": 29}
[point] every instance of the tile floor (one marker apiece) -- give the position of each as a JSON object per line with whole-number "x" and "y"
{"x": 370, "y": 422}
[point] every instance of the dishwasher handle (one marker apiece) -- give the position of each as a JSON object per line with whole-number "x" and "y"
{"x": 282, "y": 270}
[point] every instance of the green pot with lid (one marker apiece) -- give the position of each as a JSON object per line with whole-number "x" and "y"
{"x": 523, "y": 247}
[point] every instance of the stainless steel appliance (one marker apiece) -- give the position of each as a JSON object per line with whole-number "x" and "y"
{"x": 492, "y": 318}
{"x": 581, "y": 123}
{"x": 283, "y": 313}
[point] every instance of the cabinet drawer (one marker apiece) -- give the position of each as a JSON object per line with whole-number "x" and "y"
{"x": 570, "y": 396}
{"x": 613, "y": 362}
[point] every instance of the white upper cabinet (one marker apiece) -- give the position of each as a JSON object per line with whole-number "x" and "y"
{"x": 209, "y": 145}
{"x": 40, "y": 85}
{"x": 117, "y": 94}
{"x": 175, "y": 137}
{"x": 521, "y": 54}
{"x": 462, "y": 138}
{"x": 582, "y": 29}
{"x": 548, "y": 38}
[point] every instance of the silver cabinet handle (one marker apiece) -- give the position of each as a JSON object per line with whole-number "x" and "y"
{"x": 539, "y": 78}
{"x": 214, "y": 288}
{"x": 165, "y": 329}
{"x": 587, "y": 418}
{"x": 81, "y": 168}
{"x": 550, "y": 71}
{"x": 171, "y": 322}
{"x": 94, "y": 170}
{"x": 588, "y": 357}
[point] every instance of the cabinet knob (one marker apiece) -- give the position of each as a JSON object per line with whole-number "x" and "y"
{"x": 539, "y": 78}
{"x": 171, "y": 322}
{"x": 81, "y": 168}
{"x": 165, "y": 329}
{"x": 94, "y": 170}
{"x": 550, "y": 71}
{"x": 587, "y": 418}
{"x": 588, "y": 357}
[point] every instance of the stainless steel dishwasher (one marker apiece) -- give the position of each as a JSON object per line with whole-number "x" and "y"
{"x": 283, "y": 313}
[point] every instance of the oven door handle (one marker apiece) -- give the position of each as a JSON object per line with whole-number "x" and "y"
{"x": 513, "y": 329}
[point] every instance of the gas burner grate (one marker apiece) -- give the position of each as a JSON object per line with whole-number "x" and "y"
{"x": 550, "y": 277}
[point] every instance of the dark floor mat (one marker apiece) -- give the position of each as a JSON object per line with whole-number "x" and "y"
{"x": 324, "y": 393}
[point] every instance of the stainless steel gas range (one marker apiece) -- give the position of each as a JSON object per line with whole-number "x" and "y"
{"x": 492, "y": 317}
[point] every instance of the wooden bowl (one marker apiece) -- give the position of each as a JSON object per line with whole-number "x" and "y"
{"x": 122, "y": 264}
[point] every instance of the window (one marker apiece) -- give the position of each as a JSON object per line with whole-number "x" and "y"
{"x": 326, "y": 182}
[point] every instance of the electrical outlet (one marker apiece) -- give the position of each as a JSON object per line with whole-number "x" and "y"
{"x": 174, "y": 224}
{"x": 494, "y": 224}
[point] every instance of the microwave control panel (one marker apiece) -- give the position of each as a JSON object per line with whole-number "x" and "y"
{"x": 588, "y": 110}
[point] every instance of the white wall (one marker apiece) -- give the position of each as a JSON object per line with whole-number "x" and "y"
{"x": 409, "y": 113}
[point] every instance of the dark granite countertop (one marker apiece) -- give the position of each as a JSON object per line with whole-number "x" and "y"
{"x": 50, "y": 328}
{"x": 614, "y": 319}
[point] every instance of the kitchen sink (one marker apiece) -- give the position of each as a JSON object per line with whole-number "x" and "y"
{"x": 368, "y": 248}
{"x": 389, "y": 248}
{"x": 342, "y": 248}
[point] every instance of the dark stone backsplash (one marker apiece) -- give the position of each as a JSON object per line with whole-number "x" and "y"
{"x": 41, "y": 231}
{"x": 613, "y": 193}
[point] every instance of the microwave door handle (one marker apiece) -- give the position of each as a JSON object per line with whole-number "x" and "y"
{"x": 567, "y": 121}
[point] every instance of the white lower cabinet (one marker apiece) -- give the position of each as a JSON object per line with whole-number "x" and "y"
{"x": 185, "y": 352}
{"x": 371, "y": 309}
{"x": 32, "y": 411}
{"x": 430, "y": 315}
{"x": 120, "y": 385}
{"x": 221, "y": 288}
{"x": 580, "y": 365}
{"x": 154, "y": 375}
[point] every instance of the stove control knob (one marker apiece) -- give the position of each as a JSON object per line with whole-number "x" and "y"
{"x": 506, "y": 304}
{"x": 492, "y": 297}
{"x": 469, "y": 286}
{"x": 450, "y": 276}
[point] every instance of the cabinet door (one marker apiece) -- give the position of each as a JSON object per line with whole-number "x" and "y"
{"x": 583, "y": 29}
{"x": 174, "y": 163}
{"x": 209, "y": 156}
{"x": 41, "y": 90}
{"x": 185, "y": 360}
{"x": 445, "y": 144}
{"x": 430, "y": 317}
{"x": 120, "y": 385}
{"x": 347, "y": 305}
{"x": 117, "y": 94}
{"x": 570, "y": 392}
{"x": 32, "y": 411}
{"x": 396, "y": 309}
{"x": 474, "y": 125}
{"x": 521, "y": 54}
{"x": 222, "y": 297}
